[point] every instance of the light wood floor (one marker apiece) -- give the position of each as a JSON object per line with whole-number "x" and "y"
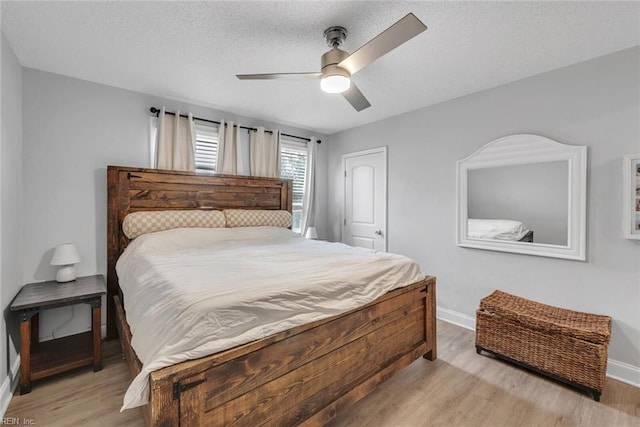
{"x": 459, "y": 389}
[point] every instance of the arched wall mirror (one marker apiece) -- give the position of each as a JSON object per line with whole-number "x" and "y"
{"x": 524, "y": 194}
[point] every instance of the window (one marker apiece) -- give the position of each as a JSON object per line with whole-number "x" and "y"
{"x": 293, "y": 165}
{"x": 293, "y": 161}
{"x": 206, "y": 148}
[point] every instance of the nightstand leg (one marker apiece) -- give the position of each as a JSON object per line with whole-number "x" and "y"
{"x": 25, "y": 356}
{"x": 97, "y": 338}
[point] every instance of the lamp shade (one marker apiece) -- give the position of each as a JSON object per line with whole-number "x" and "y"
{"x": 65, "y": 254}
{"x": 311, "y": 233}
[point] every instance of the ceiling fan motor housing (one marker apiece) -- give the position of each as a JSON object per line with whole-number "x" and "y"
{"x": 333, "y": 57}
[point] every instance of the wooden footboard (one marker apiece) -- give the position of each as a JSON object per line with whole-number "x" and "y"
{"x": 305, "y": 375}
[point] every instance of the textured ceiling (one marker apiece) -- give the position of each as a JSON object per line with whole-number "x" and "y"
{"x": 191, "y": 51}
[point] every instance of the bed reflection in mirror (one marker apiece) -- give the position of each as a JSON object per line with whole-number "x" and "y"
{"x": 525, "y": 203}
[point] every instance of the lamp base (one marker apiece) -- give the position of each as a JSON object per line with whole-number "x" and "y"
{"x": 66, "y": 274}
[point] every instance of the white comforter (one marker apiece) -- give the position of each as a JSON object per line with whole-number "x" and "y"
{"x": 189, "y": 293}
{"x": 499, "y": 229}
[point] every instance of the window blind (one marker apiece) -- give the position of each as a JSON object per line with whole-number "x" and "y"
{"x": 293, "y": 165}
{"x": 206, "y": 148}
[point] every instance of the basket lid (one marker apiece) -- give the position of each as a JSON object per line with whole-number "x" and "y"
{"x": 586, "y": 326}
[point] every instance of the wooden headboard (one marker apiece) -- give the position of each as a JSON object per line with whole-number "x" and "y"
{"x": 136, "y": 189}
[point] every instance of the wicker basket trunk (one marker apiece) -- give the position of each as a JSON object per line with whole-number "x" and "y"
{"x": 566, "y": 345}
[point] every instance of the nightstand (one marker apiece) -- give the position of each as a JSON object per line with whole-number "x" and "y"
{"x": 42, "y": 359}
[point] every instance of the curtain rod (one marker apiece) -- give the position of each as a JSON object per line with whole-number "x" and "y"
{"x": 156, "y": 111}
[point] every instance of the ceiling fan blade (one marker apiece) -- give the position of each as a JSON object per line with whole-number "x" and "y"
{"x": 356, "y": 98}
{"x": 397, "y": 34}
{"x": 281, "y": 76}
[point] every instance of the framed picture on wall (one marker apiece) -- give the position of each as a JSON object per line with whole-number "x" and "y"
{"x": 631, "y": 196}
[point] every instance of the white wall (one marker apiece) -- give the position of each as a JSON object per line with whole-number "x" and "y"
{"x": 73, "y": 129}
{"x": 595, "y": 103}
{"x": 11, "y": 189}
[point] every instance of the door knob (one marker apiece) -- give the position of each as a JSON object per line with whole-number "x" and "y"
{"x": 378, "y": 232}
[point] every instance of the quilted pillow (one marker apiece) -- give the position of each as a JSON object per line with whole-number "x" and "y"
{"x": 138, "y": 223}
{"x": 257, "y": 218}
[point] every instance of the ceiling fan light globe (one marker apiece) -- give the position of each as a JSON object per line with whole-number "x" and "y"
{"x": 335, "y": 83}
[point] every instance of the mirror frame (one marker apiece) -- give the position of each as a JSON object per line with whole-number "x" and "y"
{"x": 524, "y": 149}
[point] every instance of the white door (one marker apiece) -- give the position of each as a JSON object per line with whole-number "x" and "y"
{"x": 365, "y": 204}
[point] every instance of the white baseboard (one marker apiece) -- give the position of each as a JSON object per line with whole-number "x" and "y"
{"x": 623, "y": 372}
{"x": 456, "y": 318}
{"x": 617, "y": 370}
{"x": 8, "y": 386}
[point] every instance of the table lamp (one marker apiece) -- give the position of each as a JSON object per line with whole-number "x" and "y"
{"x": 65, "y": 255}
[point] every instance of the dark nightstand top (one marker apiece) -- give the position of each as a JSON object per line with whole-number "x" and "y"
{"x": 52, "y": 294}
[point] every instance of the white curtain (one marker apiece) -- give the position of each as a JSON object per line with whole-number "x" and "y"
{"x": 264, "y": 153}
{"x": 176, "y": 142}
{"x": 308, "y": 203}
{"x": 228, "y": 148}
{"x": 242, "y": 151}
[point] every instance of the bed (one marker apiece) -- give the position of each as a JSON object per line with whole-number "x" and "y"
{"x": 306, "y": 374}
{"x": 499, "y": 229}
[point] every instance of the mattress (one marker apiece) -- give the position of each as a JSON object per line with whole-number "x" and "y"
{"x": 499, "y": 229}
{"x": 189, "y": 293}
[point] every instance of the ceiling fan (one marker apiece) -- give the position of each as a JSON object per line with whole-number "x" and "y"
{"x": 337, "y": 66}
